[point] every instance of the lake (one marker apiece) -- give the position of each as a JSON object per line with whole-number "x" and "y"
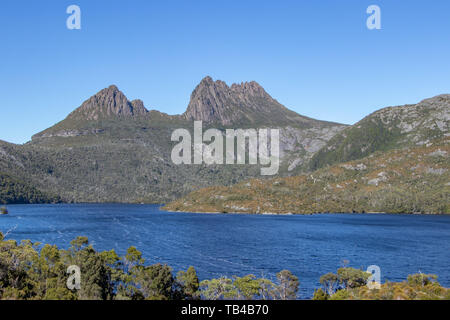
{"x": 238, "y": 244}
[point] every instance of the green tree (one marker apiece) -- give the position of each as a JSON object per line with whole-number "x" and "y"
{"x": 248, "y": 287}
{"x": 319, "y": 294}
{"x": 217, "y": 289}
{"x": 352, "y": 278}
{"x": 95, "y": 275}
{"x": 340, "y": 295}
{"x": 128, "y": 269}
{"x": 156, "y": 282}
{"x": 288, "y": 285}
{"x": 329, "y": 282}
{"x": 421, "y": 280}
{"x": 188, "y": 283}
{"x": 267, "y": 289}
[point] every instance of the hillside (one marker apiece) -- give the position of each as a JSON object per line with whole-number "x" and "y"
{"x": 112, "y": 149}
{"x": 387, "y": 129}
{"x": 407, "y": 180}
{"x": 13, "y": 191}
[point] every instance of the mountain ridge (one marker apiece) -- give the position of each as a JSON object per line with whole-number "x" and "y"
{"x": 246, "y": 103}
{"x": 386, "y": 129}
{"x": 213, "y": 102}
{"x": 111, "y": 149}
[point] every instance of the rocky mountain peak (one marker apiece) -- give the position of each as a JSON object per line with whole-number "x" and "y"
{"x": 208, "y": 101}
{"x": 109, "y": 102}
{"x": 215, "y": 101}
{"x": 251, "y": 88}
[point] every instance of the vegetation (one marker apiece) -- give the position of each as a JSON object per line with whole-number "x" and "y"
{"x": 410, "y": 180}
{"x": 127, "y": 162}
{"x": 14, "y": 191}
{"x": 31, "y": 271}
{"x": 350, "y": 284}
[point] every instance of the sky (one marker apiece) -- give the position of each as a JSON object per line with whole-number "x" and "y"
{"x": 317, "y": 58}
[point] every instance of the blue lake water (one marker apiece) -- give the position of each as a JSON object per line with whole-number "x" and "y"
{"x": 221, "y": 244}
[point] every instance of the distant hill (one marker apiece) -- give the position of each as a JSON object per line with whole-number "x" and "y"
{"x": 406, "y": 180}
{"x": 387, "y": 129}
{"x": 111, "y": 149}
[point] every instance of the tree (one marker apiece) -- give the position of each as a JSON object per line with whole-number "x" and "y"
{"x": 78, "y": 243}
{"x": 340, "y": 295}
{"x": 188, "y": 283}
{"x": 319, "y": 294}
{"x": 329, "y": 282}
{"x": 128, "y": 270}
{"x": 156, "y": 282}
{"x": 96, "y": 281}
{"x": 267, "y": 289}
{"x": 352, "y": 278}
{"x": 421, "y": 280}
{"x": 114, "y": 268}
{"x": 216, "y": 289}
{"x": 247, "y": 287}
{"x": 288, "y": 285}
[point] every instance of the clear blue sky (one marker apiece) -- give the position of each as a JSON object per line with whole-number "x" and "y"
{"x": 316, "y": 57}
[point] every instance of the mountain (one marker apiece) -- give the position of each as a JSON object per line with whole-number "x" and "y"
{"x": 387, "y": 129}
{"x": 109, "y": 102}
{"x": 249, "y": 105}
{"x": 245, "y": 104}
{"x": 407, "y": 180}
{"x": 111, "y": 149}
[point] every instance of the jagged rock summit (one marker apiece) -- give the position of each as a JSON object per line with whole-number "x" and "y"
{"x": 108, "y": 102}
{"x": 246, "y": 103}
{"x": 240, "y": 105}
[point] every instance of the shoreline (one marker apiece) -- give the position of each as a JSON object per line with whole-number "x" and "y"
{"x": 304, "y": 214}
{"x": 231, "y": 213}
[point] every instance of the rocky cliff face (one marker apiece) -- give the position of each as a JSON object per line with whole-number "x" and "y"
{"x": 108, "y": 102}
